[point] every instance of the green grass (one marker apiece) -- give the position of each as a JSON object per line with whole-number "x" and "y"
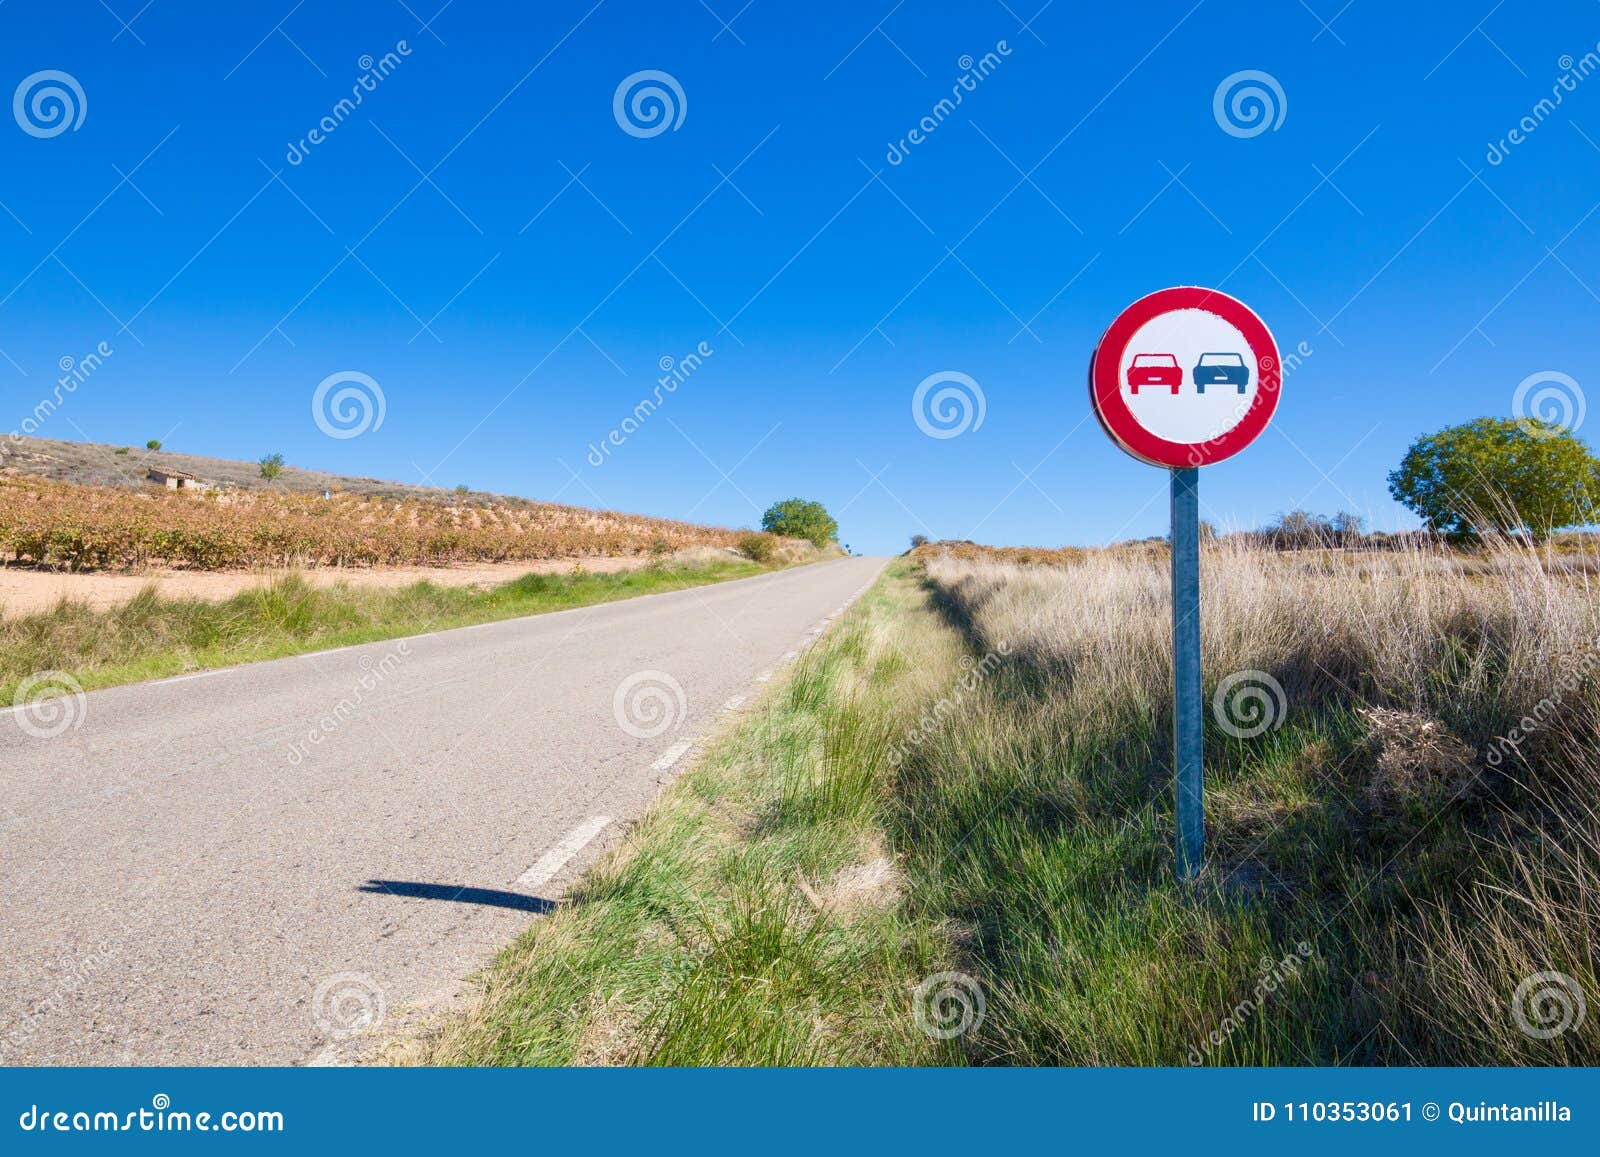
{"x": 785, "y": 901}
{"x": 153, "y": 637}
{"x": 753, "y": 917}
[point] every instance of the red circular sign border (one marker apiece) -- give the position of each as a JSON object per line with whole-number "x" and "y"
{"x": 1105, "y": 379}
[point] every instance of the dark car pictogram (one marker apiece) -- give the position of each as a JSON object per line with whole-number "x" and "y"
{"x": 1221, "y": 370}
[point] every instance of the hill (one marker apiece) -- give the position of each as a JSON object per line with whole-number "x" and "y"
{"x": 78, "y": 506}
{"x": 127, "y": 467}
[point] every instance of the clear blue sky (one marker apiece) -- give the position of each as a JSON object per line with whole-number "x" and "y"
{"x": 771, "y": 225}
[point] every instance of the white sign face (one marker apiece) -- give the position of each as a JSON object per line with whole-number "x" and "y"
{"x": 1185, "y": 377}
{"x": 1188, "y": 375}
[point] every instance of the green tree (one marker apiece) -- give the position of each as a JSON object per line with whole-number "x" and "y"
{"x": 271, "y": 466}
{"x": 799, "y": 518}
{"x": 153, "y": 444}
{"x": 1501, "y": 474}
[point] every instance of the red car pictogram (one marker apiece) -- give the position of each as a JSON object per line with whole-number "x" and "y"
{"x": 1155, "y": 370}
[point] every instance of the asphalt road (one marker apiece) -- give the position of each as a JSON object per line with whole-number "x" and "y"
{"x": 283, "y": 862}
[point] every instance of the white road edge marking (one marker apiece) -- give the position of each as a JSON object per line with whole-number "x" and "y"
{"x": 557, "y": 857}
{"x": 671, "y": 755}
{"x": 196, "y": 675}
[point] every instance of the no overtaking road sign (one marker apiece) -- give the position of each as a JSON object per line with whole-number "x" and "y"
{"x": 1184, "y": 378}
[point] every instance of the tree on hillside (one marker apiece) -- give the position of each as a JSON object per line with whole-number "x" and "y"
{"x": 800, "y": 518}
{"x": 153, "y": 444}
{"x": 271, "y": 466}
{"x": 1501, "y": 474}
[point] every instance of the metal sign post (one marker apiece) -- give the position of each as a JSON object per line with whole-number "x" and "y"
{"x": 1174, "y": 345}
{"x": 1186, "y": 698}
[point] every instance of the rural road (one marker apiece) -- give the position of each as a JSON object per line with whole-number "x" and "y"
{"x": 281, "y": 862}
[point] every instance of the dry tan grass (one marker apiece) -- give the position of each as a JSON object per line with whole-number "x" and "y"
{"x": 1459, "y": 695}
{"x": 1379, "y": 624}
{"x": 874, "y": 884}
{"x": 1417, "y": 761}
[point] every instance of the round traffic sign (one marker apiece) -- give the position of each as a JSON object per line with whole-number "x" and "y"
{"x": 1185, "y": 377}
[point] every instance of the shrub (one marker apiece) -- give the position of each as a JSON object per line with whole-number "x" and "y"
{"x": 758, "y": 547}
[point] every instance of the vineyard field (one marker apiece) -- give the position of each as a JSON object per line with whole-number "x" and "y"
{"x": 69, "y": 527}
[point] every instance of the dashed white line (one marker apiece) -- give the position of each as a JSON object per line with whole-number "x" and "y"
{"x": 671, "y": 755}
{"x": 557, "y": 857}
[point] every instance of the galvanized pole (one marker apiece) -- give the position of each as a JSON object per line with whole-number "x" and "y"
{"x": 1186, "y": 715}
